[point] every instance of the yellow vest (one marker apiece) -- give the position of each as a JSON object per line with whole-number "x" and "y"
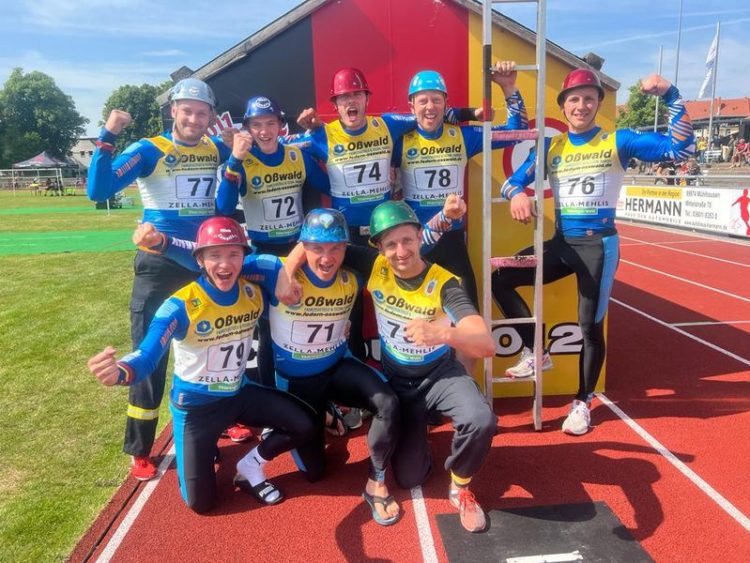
{"x": 214, "y": 352}
{"x": 273, "y": 202}
{"x": 184, "y": 178}
{"x": 432, "y": 169}
{"x": 396, "y": 306}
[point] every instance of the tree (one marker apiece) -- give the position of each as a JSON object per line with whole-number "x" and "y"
{"x": 640, "y": 110}
{"x": 140, "y": 103}
{"x": 36, "y": 116}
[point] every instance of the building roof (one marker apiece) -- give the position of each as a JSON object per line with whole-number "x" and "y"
{"x": 723, "y": 107}
{"x": 306, "y": 7}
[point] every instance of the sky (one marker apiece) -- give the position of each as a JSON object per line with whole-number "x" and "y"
{"x": 91, "y": 47}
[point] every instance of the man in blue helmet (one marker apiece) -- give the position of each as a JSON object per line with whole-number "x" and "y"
{"x": 268, "y": 177}
{"x": 423, "y": 316}
{"x": 176, "y": 173}
{"x": 434, "y": 156}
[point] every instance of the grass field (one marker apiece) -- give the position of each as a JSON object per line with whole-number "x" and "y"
{"x": 61, "y": 437}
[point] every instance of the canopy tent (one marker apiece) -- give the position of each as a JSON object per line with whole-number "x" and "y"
{"x": 43, "y": 165}
{"x": 45, "y": 160}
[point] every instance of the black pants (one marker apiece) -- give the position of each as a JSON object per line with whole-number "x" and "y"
{"x": 156, "y": 278}
{"x": 451, "y": 253}
{"x": 197, "y": 429}
{"x": 266, "y": 370}
{"x": 451, "y": 392}
{"x": 594, "y": 261}
{"x": 349, "y": 382}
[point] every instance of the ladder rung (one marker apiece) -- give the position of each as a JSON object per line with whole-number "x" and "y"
{"x": 515, "y": 1}
{"x": 525, "y": 261}
{"x": 498, "y": 200}
{"x": 506, "y": 379}
{"x": 518, "y": 321}
{"x": 532, "y": 68}
{"x": 515, "y": 135}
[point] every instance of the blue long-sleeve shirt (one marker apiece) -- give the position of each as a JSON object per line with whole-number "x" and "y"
{"x": 596, "y": 190}
{"x": 177, "y": 182}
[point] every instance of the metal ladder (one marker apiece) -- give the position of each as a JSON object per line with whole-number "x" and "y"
{"x": 489, "y": 263}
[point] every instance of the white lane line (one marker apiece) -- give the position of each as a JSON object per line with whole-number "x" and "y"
{"x": 548, "y": 558}
{"x": 684, "y": 333}
{"x": 429, "y": 555}
{"x": 711, "y": 323}
{"x": 712, "y": 493}
{"x": 702, "y": 237}
{"x": 691, "y": 282}
{"x": 116, "y": 539}
{"x": 707, "y": 256}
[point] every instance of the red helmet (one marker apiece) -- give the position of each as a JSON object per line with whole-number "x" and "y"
{"x": 220, "y": 231}
{"x": 348, "y": 80}
{"x": 579, "y": 78}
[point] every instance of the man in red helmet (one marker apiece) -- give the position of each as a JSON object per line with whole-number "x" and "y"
{"x": 357, "y": 150}
{"x": 585, "y": 167}
{"x": 211, "y": 321}
{"x": 176, "y": 176}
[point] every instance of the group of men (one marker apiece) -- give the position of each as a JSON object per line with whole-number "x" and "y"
{"x": 197, "y": 294}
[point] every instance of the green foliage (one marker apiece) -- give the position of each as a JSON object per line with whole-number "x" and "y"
{"x": 140, "y": 103}
{"x": 36, "y": 116}
{"x": 61, "y": 440}
{"x": 640, "y": 110}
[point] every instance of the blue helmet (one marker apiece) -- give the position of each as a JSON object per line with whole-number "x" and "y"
{"x": 324, "y": 225}
{"x": 427, "y": 80}
{"x": 261, "y": 105}
{"x": 193, "y": 89}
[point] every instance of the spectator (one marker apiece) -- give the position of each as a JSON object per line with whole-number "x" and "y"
{"x": 740, "y": 154}
{"x": 664, "y": 173}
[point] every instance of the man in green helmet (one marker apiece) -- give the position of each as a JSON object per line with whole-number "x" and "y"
{"x": 424, "y": 316}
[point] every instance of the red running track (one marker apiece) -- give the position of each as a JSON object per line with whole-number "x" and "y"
{"x": 676, "y": 475}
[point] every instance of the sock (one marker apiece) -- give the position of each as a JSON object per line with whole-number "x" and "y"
{"x": 460, "y": 482}
{"x": 251, "y": 467}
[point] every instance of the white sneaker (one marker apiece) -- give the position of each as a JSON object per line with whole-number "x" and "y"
{"x": 578, "y": 420}
{"x": 525, "y": 365}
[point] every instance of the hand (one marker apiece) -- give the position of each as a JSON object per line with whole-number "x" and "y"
{"x": 242, "y": 143}
{"x": 454, "y": 207}
{"x": 117, "y": 121}
{"x": 504, "y": 75}
{"x": 424, "y": 333}
{"x": 288, "y": 290}
{"x": 522, "y": 208}
{"x": 104, "y": 366}
{"x": 147, "y": 236}
{"x": 479, "y": 114}
{"x": 655, "y": 85}
{"x": 308, "y": 119}
{"x": 227, "y": 136}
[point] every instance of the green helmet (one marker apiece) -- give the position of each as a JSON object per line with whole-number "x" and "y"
{"x": 388, "y": 215}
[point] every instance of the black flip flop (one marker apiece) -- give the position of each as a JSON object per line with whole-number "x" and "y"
{"x": 259, "y": 492}
{"x": 372, "y": 500}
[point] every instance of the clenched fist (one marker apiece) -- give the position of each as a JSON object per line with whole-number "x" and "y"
{"x": 117, "y": 121}
{"x": 242, "y": 143}
{"x": 454, "y": 207}
{"x": 104, "y": 366}
{"x": 655, "y": 85}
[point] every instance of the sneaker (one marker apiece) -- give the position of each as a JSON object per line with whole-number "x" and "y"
{"x": 471, "y": 514}
{"x": 578, "y": 420}
{"x": 238, "y": 433}
{"x": 142, "y": 468}
{"x": 525, "y": 366}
